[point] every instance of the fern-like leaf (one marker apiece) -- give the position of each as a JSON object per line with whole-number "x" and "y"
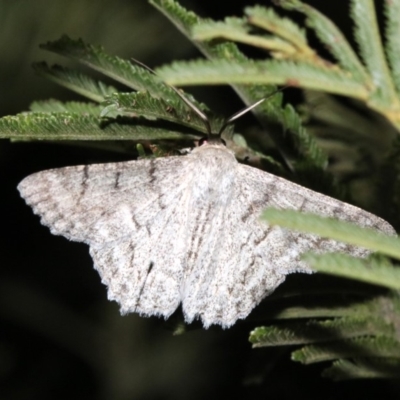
{"x": 342, "y": 370}
{"x": 352, "y": 348}
{"x": 269, "y": 20}
{"x": 74, "y": 107}
{"x": 123, "y": 71}
{"x": 236, "y": 29}
{"x": 268, "y": 112}
{"x": 392, "y": 12}
{"x": 75, "y": 81}
{"x": 371, "y": 49}
{"x": 179, "y": 16}
{"x": 219, "y": 72}
{"x": 378, "y": 271}
{"x": 328, "y": 33}
{"x": 317, "y": 331}
{"x": 72, "y": 126}
{"x": 142, "y": 104}
{"x": 334, "y": 229}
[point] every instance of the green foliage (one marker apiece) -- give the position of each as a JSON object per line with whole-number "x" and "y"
{"x": 318, "y": 331}
{"x": 377, "y": 271}
{"x": 328, "y": 33}
{"x": 378, "y": 347}
{"x": 76, "y": 107}
{"x": 370, "y": 45}
{"x": 75, "y": 81}
{"x": 54, "y": 120}
{"x": 295, "y": 63}
{"x": 392, "y": 31}
{"x": 123, "y": 71}
{"x": 368, "y": 79}
{"x": 284, "y": 28}
{"x": 64, "y": 125}
{"x": 299, "y": 149}
{"x": 143, "y": 104}
{"x": 362, "y": 368}
{"x": 262, "y": 72}
{"x": 358, "y": 332}
{"x": 334, "y": 229}
{"x": 373, "y": 334}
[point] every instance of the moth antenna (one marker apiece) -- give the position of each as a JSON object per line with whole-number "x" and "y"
{"x": 238, "y": 114}
{"x": 200, "y": 113}
{"x": 245, "y": 110}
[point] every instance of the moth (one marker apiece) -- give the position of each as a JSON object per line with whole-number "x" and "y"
{"x": 185, "y": 230}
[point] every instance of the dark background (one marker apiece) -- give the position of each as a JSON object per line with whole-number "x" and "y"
{"x": 59, "y": 336}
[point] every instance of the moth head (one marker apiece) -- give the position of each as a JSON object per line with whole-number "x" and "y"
{"x": 211, "y": 136}
{"x": 212, "y": 139}
{"x": 217, "y": 137}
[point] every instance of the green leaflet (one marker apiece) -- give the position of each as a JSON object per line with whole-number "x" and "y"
{"x": 73, "y": 126}
{"x": 334, "y": 229}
